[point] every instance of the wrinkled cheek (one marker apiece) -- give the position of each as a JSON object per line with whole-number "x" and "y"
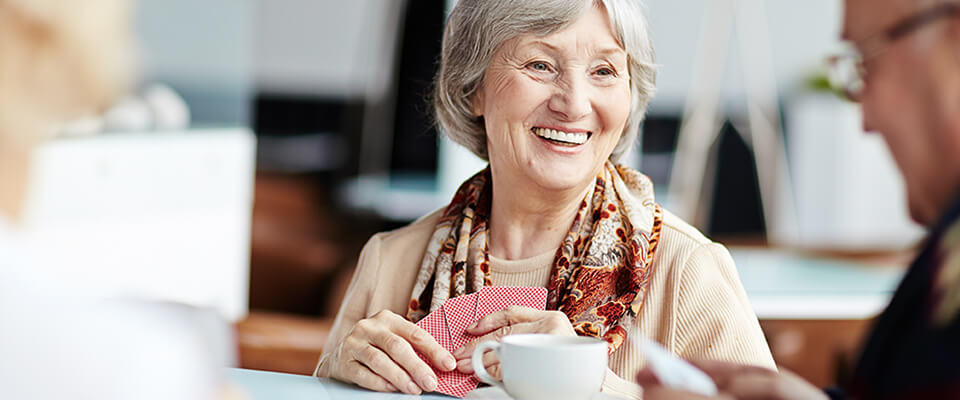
{"x": 502, "y": 85}
{"x": 501, "y": 137}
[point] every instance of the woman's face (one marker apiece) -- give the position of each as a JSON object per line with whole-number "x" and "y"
{"x": 555, "y": 106}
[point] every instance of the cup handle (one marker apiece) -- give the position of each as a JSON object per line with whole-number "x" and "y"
{"x": 478, "y": 366}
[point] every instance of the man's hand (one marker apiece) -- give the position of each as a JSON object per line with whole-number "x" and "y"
{"x": 737, "y": 381}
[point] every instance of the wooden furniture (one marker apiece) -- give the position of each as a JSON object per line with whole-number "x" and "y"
{"x": 281, "y": 342}
{"x": 298, "y": 274}
{"x": 295, "y": 251}
{"x": 821, "y": 351}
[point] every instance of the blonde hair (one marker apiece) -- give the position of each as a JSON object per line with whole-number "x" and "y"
{"x": 477, "y": 28}
{"x": 59, "y": 60}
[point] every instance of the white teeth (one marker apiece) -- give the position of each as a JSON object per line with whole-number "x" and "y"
{"x": 566, "y": 137}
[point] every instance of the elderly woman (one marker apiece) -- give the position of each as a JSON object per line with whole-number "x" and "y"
{"x": 551, "y": 93}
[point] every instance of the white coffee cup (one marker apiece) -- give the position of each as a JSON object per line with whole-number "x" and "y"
{"x": 546, "y": 367}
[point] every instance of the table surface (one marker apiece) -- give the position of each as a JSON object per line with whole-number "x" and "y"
{"x": 262, "y": 385}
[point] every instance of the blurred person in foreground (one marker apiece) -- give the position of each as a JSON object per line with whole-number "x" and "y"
{"x": 551, "y": 93}
{"x": 906, "y": 74}
{"x": 61, "y": 60}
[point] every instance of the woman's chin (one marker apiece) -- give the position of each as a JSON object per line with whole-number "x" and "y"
{"x": 562, "y": 177}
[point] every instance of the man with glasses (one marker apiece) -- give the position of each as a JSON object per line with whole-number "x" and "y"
{"x": 904, "y": 69}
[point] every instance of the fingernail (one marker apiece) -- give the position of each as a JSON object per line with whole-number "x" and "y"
{"x": 412, "y": 388}
{"x": 429, "y": 384}
{"x": 391, "y": 388}
{"x": 449, "y": 363}
{"x": 460, "y": 352}
{"x": 472, "y": 326}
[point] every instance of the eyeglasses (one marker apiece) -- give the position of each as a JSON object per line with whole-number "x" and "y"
{"x": 846, "y": 71}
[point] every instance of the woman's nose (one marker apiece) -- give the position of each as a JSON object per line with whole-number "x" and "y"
{"x": 572, "y": 100}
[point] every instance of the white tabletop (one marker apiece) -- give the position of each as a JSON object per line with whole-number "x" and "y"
{"x": 261, "y": 385}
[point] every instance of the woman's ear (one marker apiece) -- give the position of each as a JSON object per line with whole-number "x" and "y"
{"x": 476, "y": 103}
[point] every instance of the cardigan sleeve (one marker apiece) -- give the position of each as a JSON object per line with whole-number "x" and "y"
{"x": 714, "y": 319}
{"x": 354, "y": 306}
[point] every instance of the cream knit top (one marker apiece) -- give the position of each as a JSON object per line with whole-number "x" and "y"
{"x": 696, "y": 306}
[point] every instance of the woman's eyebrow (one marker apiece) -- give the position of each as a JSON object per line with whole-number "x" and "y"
{"x": 545, "y": 44}
{"x": 603, "y": 51}
{"x": 541, "y": 43}
{"x": 607, "y": 51}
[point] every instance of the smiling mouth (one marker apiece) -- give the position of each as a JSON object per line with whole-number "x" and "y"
{"x": 560, "y": 137}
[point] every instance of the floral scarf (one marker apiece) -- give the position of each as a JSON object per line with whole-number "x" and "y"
{"x": 600, "y": 273}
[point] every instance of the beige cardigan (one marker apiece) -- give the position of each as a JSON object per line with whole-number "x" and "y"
{"x": 696, "y": 306}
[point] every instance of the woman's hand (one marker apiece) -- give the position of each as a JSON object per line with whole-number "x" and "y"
{"x": 380, "y": 353}
{"x": 512, "y": 320}
{"x": 736, "y": 381}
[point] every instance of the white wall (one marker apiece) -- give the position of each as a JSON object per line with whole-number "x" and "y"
{"x": 801, "y": 33}
{"x": 323, "y": 48}
{"x": 204, "y": 49}
{"x": 333, "y": 48}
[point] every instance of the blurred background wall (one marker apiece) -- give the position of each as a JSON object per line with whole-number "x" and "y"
{"x": 801, "y": 33}
{"x": 205, "y": 51}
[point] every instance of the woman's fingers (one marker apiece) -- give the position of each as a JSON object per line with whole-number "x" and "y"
{"x": 506, "y": 317}
{"x": 401, "y": 340}
{"x": 381, "y": 364}
{"x": 513, "y": 320}
{"x": 466, "y": 351}
{"x": 494, "y": 371}
{"x": 489, "y": 360}
{"x": 385, "y": 345}
{"x": 362, "y": 376}
{"x": 425, "y": 344}
{"x": 401, "y": 352}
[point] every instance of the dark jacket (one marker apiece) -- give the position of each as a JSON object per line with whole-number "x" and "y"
{"x": 913, "y": 351}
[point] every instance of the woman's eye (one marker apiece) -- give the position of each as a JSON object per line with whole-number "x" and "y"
{"x": 605, "y": 72}
{"x": 540, "y": 66}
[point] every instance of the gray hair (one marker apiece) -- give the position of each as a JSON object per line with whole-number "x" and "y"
{"x": 477, "y": 28}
